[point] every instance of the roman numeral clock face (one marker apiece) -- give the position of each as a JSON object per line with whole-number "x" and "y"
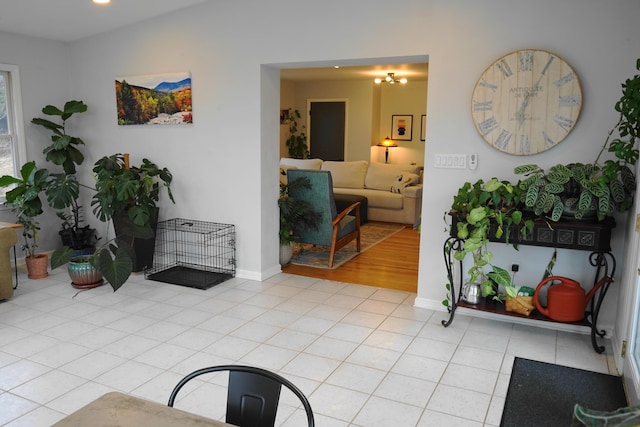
{"x": 526, "y": 102}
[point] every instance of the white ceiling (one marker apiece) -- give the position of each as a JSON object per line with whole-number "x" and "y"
{"x": 70, "y": 20}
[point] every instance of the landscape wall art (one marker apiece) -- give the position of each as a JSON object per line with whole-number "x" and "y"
{"x": 156, "y": 99}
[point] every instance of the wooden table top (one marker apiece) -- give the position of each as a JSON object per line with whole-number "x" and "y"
{"x": 120, "y": 410}
{"x": 10, "y": 225}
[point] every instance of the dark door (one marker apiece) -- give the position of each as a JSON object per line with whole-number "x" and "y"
{"x": 326, "y": 130}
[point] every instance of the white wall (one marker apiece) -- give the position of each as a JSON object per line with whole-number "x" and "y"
{"x": 44, "y": 69}
{"x": 225, "y": 165}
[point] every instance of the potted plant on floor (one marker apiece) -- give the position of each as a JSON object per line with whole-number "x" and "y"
{"x": 127, "y": 196}
{"x": 63, "y": 189}
{"x": 294, "y": 214}
{"x": 24, "y": 199}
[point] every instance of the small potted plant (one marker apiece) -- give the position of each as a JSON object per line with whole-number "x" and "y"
{"x": 24, "y": 199}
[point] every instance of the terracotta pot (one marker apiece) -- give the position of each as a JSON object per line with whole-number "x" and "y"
{"x": 83, "y": 274}
{"x": 37, "y": 266}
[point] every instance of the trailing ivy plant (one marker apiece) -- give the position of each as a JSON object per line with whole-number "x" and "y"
{"x": 478, "y": 210}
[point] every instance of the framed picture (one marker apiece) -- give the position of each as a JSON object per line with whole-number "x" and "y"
{"x": 401, "y": 126}
{"x": 423, "y": 127}
{"x": 154, "y": 99}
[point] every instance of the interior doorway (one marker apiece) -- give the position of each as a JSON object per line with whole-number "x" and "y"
{"x": 327, "y": 129}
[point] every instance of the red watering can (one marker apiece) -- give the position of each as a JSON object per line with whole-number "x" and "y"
{"x": 566, "y": 301}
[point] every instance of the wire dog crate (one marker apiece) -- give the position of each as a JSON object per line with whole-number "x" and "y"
{"x": 193, "y": 253}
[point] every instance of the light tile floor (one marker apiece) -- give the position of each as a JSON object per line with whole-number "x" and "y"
{"x": 364, "y": 356}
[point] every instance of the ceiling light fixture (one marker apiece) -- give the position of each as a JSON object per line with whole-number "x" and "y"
{"x": 102, "y": 1}
{"x": 391, "y": 79}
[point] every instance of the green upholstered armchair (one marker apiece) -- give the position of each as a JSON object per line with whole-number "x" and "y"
{"x": 8, "y": 238}
{"x": 336, "y": 229}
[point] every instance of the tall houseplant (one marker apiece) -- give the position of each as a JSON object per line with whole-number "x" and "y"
{"x": 24, "y": 199}
{"x": 63, "y": 189}
{"x": 128, "y": 195}
{"x": 297, "y": 140}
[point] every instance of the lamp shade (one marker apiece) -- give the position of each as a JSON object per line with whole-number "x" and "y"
{"x": 387, "y": 142}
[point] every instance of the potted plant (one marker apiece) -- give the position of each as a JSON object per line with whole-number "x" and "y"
{"x": 128, "y": 196}
{"x": 24, "y": 199}
{"x": 294, "y": 215}
{"x": 480, "y": 211}
{"x": 580, "y": 189}
{"x": 129, "y": 193}
{"x": 297, "y": 140}
{"x": 63, "y": 189}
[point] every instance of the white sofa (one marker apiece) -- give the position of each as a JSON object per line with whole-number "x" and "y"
{"x": 393, "y": 192}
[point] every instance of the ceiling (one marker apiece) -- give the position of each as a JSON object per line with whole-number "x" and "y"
{"x": 70, "y": 20}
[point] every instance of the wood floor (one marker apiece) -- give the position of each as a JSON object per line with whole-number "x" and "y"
{"x": 391, "y": 264}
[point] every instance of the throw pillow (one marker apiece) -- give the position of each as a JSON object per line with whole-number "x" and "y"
{"x": 404, "y": 180}
{"x": 380, "y": 176}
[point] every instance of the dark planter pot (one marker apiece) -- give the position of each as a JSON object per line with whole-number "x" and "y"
{"x": 143, "y": 249}
{"x": 83, "y": 274}
{"x": 82, "y": 242}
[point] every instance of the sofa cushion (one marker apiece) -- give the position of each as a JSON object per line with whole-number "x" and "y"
{"x": 313, "y": 164}
{"x": 382, "y": 176}
{"x": 347, "y": 174}
{"x": 376, "y": 198}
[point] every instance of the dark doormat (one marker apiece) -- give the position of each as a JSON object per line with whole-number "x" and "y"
{"x": 542, "y": 394}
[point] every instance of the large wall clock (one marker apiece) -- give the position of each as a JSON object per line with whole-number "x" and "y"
{"x": 526, "y": 102}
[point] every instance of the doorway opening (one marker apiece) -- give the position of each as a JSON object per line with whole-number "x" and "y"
{"x": 298, "y": 81}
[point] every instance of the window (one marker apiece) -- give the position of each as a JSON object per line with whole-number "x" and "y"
{"x": 12, "y": 144}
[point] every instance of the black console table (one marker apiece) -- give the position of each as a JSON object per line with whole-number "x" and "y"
{"x": 593, "y": 237}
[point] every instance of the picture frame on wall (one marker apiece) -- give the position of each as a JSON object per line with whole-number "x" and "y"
{"x": 423, "y": 127}
{"x": 401, "y": 127}
{"x": 139, "y": 99}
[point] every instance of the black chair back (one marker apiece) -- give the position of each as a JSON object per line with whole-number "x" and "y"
{"x": 253, "y": 395}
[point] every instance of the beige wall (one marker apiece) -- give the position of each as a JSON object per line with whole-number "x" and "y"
{"x": 369, "y": 110}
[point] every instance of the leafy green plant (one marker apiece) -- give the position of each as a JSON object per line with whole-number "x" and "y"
{"x": 63, "y": 189}
{"x": 121, "y": 189}
{"x": 295, "y": 214}
{"x": 478, "y": 210}
{"x": 577, "y": 188}
{"x": 297, "y": 140}
{"x": 25, "y": 202}
{"x": 63, "y": 150}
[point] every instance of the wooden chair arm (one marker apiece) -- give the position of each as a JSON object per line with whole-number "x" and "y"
{"x": 345, "y": 212}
